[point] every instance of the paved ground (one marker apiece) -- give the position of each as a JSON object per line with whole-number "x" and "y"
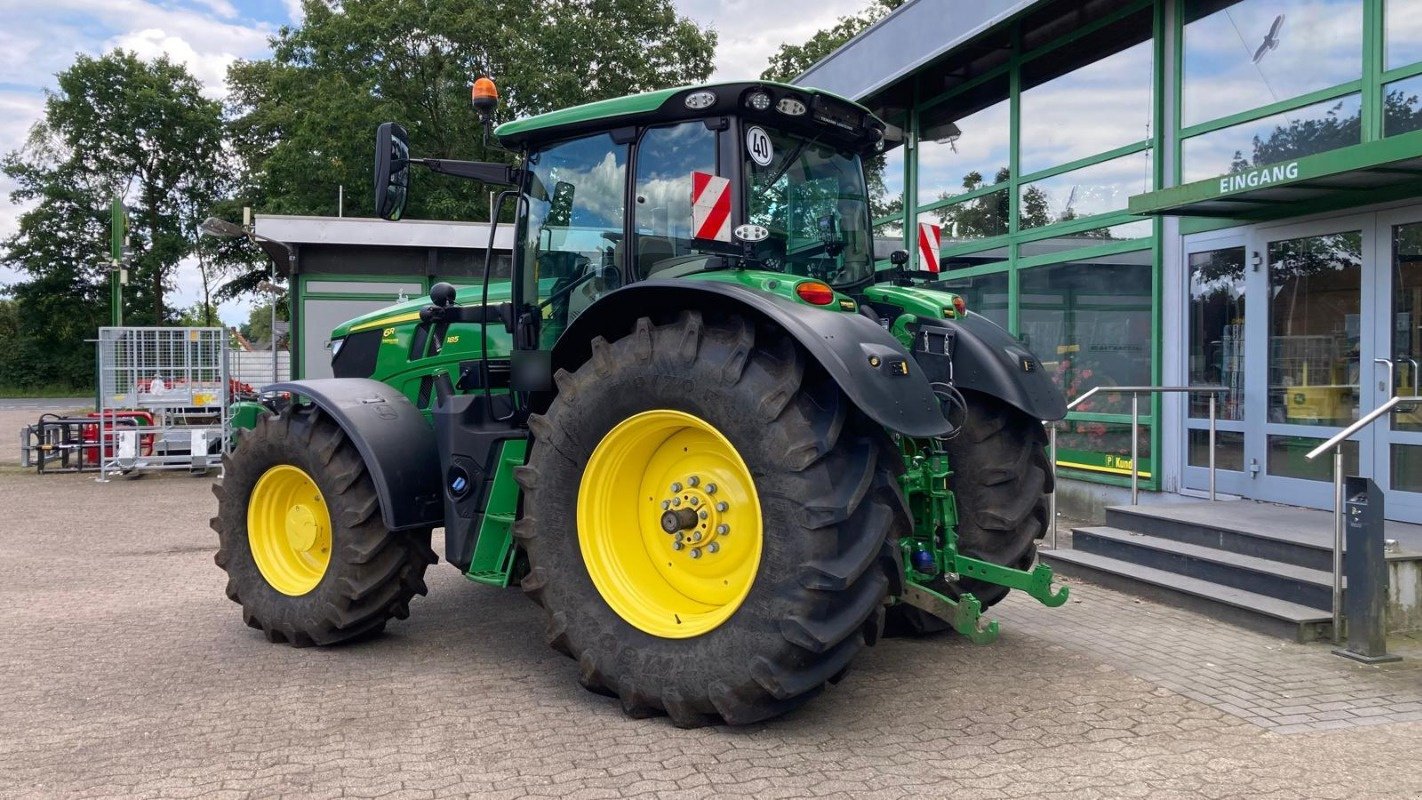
{"x": 124, "y": 671}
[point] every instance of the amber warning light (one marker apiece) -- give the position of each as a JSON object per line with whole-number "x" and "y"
{"x": 485, "y": 95}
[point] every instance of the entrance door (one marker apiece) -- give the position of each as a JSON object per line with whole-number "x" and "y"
{"x": 1309, "y": 355}
{"x": 1397, "y": 440}
{"x": 1331, "y": 329}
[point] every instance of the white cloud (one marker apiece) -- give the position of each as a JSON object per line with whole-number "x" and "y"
{"x": 210, "y": 68}
{"x": 751, "y": 31}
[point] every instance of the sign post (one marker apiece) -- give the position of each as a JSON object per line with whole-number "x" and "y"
{"x": 118, "y": 270}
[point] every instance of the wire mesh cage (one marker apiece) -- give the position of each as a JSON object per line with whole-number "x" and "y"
{"x": 163, "y": 395}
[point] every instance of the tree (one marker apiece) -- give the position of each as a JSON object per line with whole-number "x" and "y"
{"x": 118, "y": 126}
{"x": 793, "y": 59}
{"x": 304, "y": 121}
{"x": 258, "y": 327}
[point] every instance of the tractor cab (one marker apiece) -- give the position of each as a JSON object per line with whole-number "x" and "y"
{"x": 657, "y": 186}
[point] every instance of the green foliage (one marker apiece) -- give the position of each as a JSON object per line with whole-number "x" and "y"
{"x": 116, "y": 126}
{"x": 258, "y": 327}
{"x": 793, "y": 59}
{"x": 304, "y": 121}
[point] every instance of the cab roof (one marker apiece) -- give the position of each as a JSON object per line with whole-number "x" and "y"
{"x": 849, "y": 119}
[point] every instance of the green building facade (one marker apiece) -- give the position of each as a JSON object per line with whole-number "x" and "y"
{"x": 1175, "y": 192}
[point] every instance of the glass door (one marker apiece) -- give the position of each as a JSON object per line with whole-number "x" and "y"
{"x": 1397, "y": 440}
{"x": 1216, "y": 288}
{"x": 1305, "y": 378}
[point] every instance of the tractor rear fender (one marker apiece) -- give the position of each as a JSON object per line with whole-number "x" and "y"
{"x": 867, "y": 362}
{"x": 394, "y": 440}
{"x": 983, "y": 357}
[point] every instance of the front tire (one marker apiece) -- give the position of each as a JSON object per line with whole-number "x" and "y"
{"x": 301, "y": 538}
{"x": 806, "y": 575}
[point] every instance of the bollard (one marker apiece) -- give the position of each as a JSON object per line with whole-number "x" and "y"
{"x": 1366, "y": 599}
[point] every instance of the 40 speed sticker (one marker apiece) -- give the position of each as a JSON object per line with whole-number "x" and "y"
{"x": 758, "y": 145}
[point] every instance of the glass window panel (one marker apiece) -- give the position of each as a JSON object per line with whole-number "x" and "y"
{"x": 1097, "y": 189}
{"x": 1086, "y": 98}
{"x": 1407, "y": 320}
{"x": 1285, "y": 458}
{"x": 666, "y": 157}
{"x": 1281, "y": 137}
{"x": 1090, "y": 323}
{"x": 1314, "y": 306}
{"x": 572, "y": 224}
{"x": 1217, "y": 330}
{"x": 1096, "y": 236}
{"x": 1402, "y": 106}
{"x": 1244, "y": 55}
{"x": 963, "y": 143}
{"x": 971, "y": 219}
{"x": 1229, "y": 449}
{"x": 985, "y": 294}
{"x": 1406, "y": 472}
{"x": 884, "y": 174}
{"x": 977, "y": 259}
{"x": 1403, "y": 21}
{"x": 1102, "y": 447}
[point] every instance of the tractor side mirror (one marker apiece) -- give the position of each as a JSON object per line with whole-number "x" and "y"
{"x": 392, "y": 170}
{"x": 442, "y": 294}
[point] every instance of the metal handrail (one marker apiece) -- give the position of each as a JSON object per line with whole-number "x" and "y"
{"x": 1136, "y": 392}
{"x": 1337, "y": 444}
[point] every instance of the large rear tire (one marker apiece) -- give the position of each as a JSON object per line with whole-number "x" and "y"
{"x": 1001, "y": 481}
{"x": 812, "y": 511}
{"x": 301, "y": 538}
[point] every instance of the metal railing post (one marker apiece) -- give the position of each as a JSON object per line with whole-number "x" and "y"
{"x": 1052, "y": 457}
{"x": 1212, "y": 446}
{"x": 1337, "y": 543}
{"x": 1135, "y": 446}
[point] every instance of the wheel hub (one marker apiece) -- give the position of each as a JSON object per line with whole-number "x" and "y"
{"x": 289, "y": 530}
{"x": 669, "y": 523}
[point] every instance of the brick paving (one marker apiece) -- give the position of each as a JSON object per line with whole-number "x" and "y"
{"x": 125, "y": 672}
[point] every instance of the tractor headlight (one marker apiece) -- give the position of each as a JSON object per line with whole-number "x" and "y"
{"x": 759, "y": 101}
{"x": 334, "y": 346}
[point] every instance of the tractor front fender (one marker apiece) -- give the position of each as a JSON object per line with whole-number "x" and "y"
{"x": 392, "y": 437}
{"x": 866, "y": 361}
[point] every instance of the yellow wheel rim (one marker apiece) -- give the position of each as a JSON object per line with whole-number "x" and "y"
{"x": 289, "y": 530}
{"x": 669, "y": 524}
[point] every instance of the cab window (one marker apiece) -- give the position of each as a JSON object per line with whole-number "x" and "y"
{"x": 572, "y": 244}
{"x": 662, "y": 234}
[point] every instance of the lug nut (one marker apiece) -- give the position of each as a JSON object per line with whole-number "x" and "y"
{"x": 695, "y": 501}
{"x": 723, "y": 529}
{"x": 710, "y": 488}
{"x": 713, "y": 547}
{"x": 676, "y": 487}
{"x": 703, "y": 514}
{"x": 695, "y": 553}
{"x": 696, "y": 536}
{"x": 666, "y": 504}
{"x": 721, "y": 506}
{"x": 676, "y": 501}
{"x": 693, "y": 481}
{"x": 677, "y": 545}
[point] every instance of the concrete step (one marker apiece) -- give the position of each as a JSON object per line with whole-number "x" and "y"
{"x": 1277, "y": 538}
{"x": 1257, "y": 612}
{"x": 1278, "y": 579}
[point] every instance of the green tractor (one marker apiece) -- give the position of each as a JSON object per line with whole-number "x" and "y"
{"x": 719, "y": 445}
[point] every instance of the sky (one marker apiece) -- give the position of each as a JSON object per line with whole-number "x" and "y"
{"x": 38, "y": 40}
